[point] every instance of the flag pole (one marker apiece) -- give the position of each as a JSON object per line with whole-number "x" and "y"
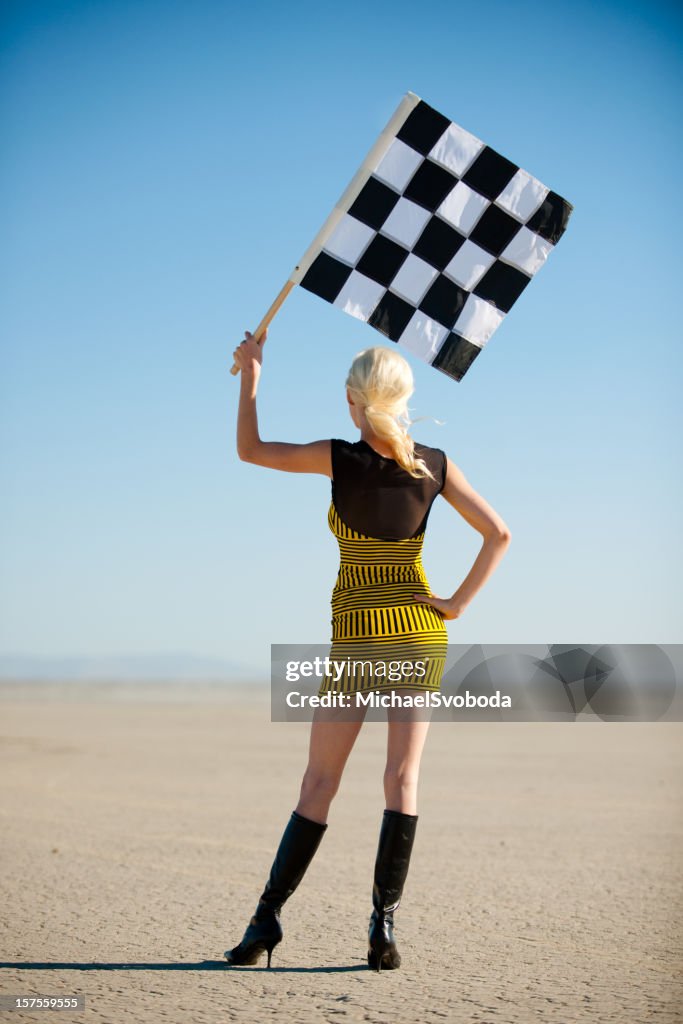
{"x": 258, "y": 333}
{"x": 351, "y": 193}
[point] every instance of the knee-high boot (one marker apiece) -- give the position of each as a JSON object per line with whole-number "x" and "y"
{"x": 391, "y": 869}
{"x": 298, "y": 845}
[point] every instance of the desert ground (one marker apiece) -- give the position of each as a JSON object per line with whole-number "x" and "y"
{"x": 139, "y": 823}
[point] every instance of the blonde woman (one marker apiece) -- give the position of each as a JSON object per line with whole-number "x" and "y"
{"x": 383, "y": 487}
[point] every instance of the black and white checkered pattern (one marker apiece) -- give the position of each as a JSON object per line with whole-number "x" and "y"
{"x": 442, "y": 239}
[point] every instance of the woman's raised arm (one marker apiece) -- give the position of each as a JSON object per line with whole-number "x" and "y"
{"x": 314, "y": 457}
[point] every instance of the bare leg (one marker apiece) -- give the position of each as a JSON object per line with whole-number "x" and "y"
{"x": 407, "y": 732}
{"x": 331, "y": 742}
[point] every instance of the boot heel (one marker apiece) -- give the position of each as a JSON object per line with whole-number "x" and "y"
{"x": 382, "y": 954}
{"x": 374, "y": 961}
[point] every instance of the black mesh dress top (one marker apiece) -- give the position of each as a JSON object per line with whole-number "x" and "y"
{"x": 374, "y": 495}
{"x": 378, "y": 515}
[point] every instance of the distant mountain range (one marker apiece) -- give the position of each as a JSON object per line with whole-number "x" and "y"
{"x": 182, "y": 666}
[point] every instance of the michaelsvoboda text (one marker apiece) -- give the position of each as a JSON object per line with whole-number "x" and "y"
{"x": 394, "y": 699}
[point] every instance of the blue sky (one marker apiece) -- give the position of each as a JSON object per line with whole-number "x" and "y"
{"x": 164, "y": 167}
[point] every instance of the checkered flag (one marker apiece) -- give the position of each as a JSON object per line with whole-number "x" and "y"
{"x": 434, "y": 239}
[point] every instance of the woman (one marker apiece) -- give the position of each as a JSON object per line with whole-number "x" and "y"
{"x": 383, "y": 487}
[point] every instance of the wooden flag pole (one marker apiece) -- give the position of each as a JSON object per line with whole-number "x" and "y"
{"x": 353, "y": 189}
{"x": 258, "y": 333}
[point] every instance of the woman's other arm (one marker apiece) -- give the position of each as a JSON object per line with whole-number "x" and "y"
{"x": 496, "y": 537}
{"x": 293, "y": 458}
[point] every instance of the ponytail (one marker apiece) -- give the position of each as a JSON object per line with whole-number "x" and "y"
{"x": 382, "y": 382}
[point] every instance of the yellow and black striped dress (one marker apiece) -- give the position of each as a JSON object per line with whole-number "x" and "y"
{"x": 382, "y": 636}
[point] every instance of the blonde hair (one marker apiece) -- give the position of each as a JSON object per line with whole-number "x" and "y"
{"x": 381, "y": 382}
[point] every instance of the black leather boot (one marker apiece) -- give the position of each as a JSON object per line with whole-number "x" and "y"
{"x": 299, "y": 842}
{"x": 391, "y": 869}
